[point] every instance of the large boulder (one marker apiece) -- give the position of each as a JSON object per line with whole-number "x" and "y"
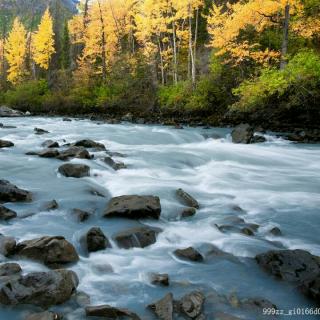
{"x": 297, "y": 266}
{"x": 8, "y": 112}
{"x": 189, "y": 253}
{"x": 187, "y": 199}
{"x": 52, "y": 251}
{"x": 110, "y": 312}
{"x": 43, "y": 289}
{"x": 6, "y": 144}
{"x": 74, "y": 170}
{"x": 74, "y": 152}
{"x": 7, "y": 245}
{"x": 243, "y": 133}
{"x": 164, "y": 307}
{"x": 134, "y": 207}
{"x": 7, "y": 214}
{"x": 11, "y": 193}
{"x": 96, "y": 240}
{"x": 138, "y": 237}
{"x": 87, "y": 143}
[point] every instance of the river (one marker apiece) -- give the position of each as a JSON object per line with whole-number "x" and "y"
{"x": 276, "y": 183}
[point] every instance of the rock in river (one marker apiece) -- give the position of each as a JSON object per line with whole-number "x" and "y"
{"x": 113, "y": 164}
{"x": 298, "y": 266}
{"x": 7, "y": 245}
{"x": 243, "y": 133}
{"x": 46, "y": 315}
{"x": 74, "y": 152}
{"x": 40, "y": 131}
{"x": 11, "y": 193}
{"x": 87, "y": 143}
{"x": 74, "y": 170}
{"x": 48, "y": 153}
{"x": 191, "y": 304}
{"x": 7, "y": 214}
{"x": 110, "y": 312}
{"x": 52, "y": 251}
{"x": 163, "y": 308}
{"x": 159, "y": 279}
{"x": 50, "y": 144}
{"x": 42, "y": 289}
{"x": 134, "y": 207}
{"x": 189, "y": 253}
{"x": 9, "y": 269}
{"x": 187, "y": 199}
{"x": 8, "y": 112}
{"x": 6, "y": 144}
{"x": 139, "y": 237}
{"x": 96, "y": 240}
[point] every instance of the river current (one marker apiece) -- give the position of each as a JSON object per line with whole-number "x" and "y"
{"x": 276, "y": 183}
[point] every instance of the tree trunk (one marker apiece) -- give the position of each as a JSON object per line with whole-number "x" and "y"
{"x": 284, "y": 47}
{"x": 103, "y": 46}
{"x": 161, "y": 62}
{"x": 193, "y": 69}
{"x": 195, "y": 41}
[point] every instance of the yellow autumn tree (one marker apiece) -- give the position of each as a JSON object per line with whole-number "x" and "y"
{"x": 15, "y": 52}
{"x": 43, "y": 42}
{"x": 226, "y": 22}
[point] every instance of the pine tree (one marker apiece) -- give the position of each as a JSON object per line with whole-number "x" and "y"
{"x": 43, "y": 42}
{"x": 15, "y": 52}
{"x": 65, "y": 47}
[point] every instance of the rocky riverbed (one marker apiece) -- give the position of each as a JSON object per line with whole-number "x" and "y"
{"x": 129, "y": 221}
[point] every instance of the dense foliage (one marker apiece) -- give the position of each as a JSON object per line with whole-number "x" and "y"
{"x": 177, "y": 58}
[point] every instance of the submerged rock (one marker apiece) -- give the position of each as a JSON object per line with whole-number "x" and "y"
{"x": 163, "y": 308}
{"x": 46, "y": 315}
{"x": 297, "y": 266}
{"x": 11, "y": 193}
{"x": 188, "y": 212}
{"x": 159, "y": 279}
{"x": 50, "y": 144}
{"x": 7, "y": 214}
{"x": 139, "y": 237}
{"x": 243, "y": 133}
{"x": 258, "y": 139}
{"x": 52, "y": 251}
{"x": 110, "y": 312}
{"x": 191, "y": 304}
{"x": 42, "y": 289}
{"x": 81, "y": 215}
{"x": 74, "y": 152}
{"x": 187, "y": 198}
{"x": 40, "y": 131}
{"x": 50, "y": 205}
{"x": 67, "y": 119}
{"x": 7, "y": 245}
{"x": 74, "y": 170}
{"x": 113, "y": 164}
{"x": 189, "y": 253}
{"x": 87, "y": 143}
{"x": 134, "y": 207}
{"x": 275, "y": 231}
{"x": 48, "y": 153}
{"x": 6, "y": 144}
{"x": 96, "y": 240}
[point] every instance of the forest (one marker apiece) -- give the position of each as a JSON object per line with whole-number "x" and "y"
{"x": 217, "y": 61}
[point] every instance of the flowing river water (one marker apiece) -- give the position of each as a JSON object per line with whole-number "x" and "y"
{"x": 276, "y": 183}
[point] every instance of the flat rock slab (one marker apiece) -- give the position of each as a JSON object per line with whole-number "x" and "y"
{"x": 42, "y": 289}
{"x": 52, "y": 251}
{"x": 11, "y": 193}
{"x": 134, "y": 207}
{"x": 74, "y": 170}
{"x": 110, "y": 312}
{"x": 6, "y": 144}
{"x": 139, "y": 237}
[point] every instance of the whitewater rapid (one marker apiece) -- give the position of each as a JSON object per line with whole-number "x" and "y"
{"x": 276, "y": 183}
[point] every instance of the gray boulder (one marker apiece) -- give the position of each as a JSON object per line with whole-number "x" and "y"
{"x": 139, "y": 237}
{"x": 110, "y": 312}
{"x": 243, "y": 133}
{"x": 188, "y": 212}
{"x": 134, "y": 207}
{"x": 96, "y": 240}
{"x": 80, "y": 215}
{"x": 113, "y": 164}
{"x": 74, "y": 170}
{"x": 52, "y": 251}
{"x": 189, "y": 253}
{"x": 6, "y": 144}
{"x": 7, "y": 245}
{"x": 87, "y": 143}
{"x": 11, "y": 193}
{"x": 43, "y": 289}
{"x": 7, "y": 214}
{"x": 8, "y": 112}
{"x": 187, "y": 199}
{"x": 163, "y": 308}
{"x": 159, "y": 279}
{"x": 50, "y": 144}
{"x": 74, "y": 152}
{"x": 48, "y": 153}
{"x": 46, "y": 315}
{"x": 191, "y": 304}
{"x": 40, "y": 131}
{"x": 9, "y": 269}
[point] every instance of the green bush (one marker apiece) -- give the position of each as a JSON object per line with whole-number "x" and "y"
{"x": 27, "y": 96}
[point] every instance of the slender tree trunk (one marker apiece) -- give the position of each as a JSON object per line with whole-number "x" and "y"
{"x": 161, "y": 62}
{"x": 175, "y": 60}
{"x": 192, "y": 64}
{"x": 284, "y": 47}
{"x": 196, "y": 41}
{"x": 103, "y": 46}
{"x": 85, "y": 14}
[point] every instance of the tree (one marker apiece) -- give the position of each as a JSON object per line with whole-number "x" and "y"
{"x": 65, "y": 48}
{"x": 43, "y": 42}
{"x": 15, "y": 52}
